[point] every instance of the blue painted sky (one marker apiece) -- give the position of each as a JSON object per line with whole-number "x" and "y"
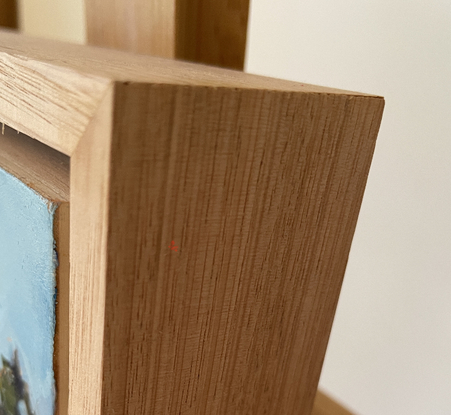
{"x": 27, "y": 285}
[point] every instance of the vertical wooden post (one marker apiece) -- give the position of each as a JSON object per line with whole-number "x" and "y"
{"x": 8, "y": 13}
{"x": 205, "y": 31}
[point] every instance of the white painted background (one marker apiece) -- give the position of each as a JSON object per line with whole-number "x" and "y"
{"x": 390, "y": 350}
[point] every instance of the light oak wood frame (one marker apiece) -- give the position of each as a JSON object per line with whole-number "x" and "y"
{"x": 257, "y": 181}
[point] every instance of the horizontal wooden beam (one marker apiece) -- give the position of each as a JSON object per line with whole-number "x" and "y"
{"x": 61, "y": 85}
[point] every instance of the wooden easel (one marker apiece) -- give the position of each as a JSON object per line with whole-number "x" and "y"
{"x": 212, "y": 211}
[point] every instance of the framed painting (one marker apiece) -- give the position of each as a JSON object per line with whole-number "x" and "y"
{"x": 34, "y": 265}
{"x": 184, "y": 231}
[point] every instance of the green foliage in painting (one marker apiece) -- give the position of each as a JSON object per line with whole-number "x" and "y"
{"x": 13, "y": 389}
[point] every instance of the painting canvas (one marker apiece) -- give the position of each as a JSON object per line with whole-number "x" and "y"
{"x": 28, "y": 264}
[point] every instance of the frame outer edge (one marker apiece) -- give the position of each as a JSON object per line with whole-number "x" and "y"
{"x": 89, "y": 189}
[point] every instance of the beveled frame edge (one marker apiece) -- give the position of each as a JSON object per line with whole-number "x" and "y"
{"x": 62, "y": 109}
{"x": 89, "y": 190}
{"x": 49, "y": 104}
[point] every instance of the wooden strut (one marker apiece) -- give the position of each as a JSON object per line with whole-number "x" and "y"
{"x": 205, "y": 31}
{"x": 8, "y": 14}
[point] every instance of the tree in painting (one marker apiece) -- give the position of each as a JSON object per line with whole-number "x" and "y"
{"x": 13, "y": 389}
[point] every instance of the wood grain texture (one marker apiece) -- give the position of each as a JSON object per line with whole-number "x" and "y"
{"x": 257, "y": 182}
{"x": 46, "y": 171}
{"x": 90, "y": 177}
{"x": 212, "y": 32}
{"x": 8, "y": 13}
{"x": 204, "y": 31}
{"x": 51, "y": 90}
{"x": 325, "y": 405}
{"x": 82, "y": 73}
{"x": 260, "y": 192}
{"x": 139, "y": 26}
{"x": 55, "y": 102}
{"x": 38, "y": 166}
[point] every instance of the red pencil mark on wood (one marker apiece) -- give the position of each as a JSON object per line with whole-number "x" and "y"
{"x": 173, "y": 247}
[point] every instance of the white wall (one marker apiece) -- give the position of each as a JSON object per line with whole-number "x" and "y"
{"x": 390, "y": 350}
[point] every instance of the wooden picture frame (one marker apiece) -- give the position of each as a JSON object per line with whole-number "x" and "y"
{"x": 211, "y": 217}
